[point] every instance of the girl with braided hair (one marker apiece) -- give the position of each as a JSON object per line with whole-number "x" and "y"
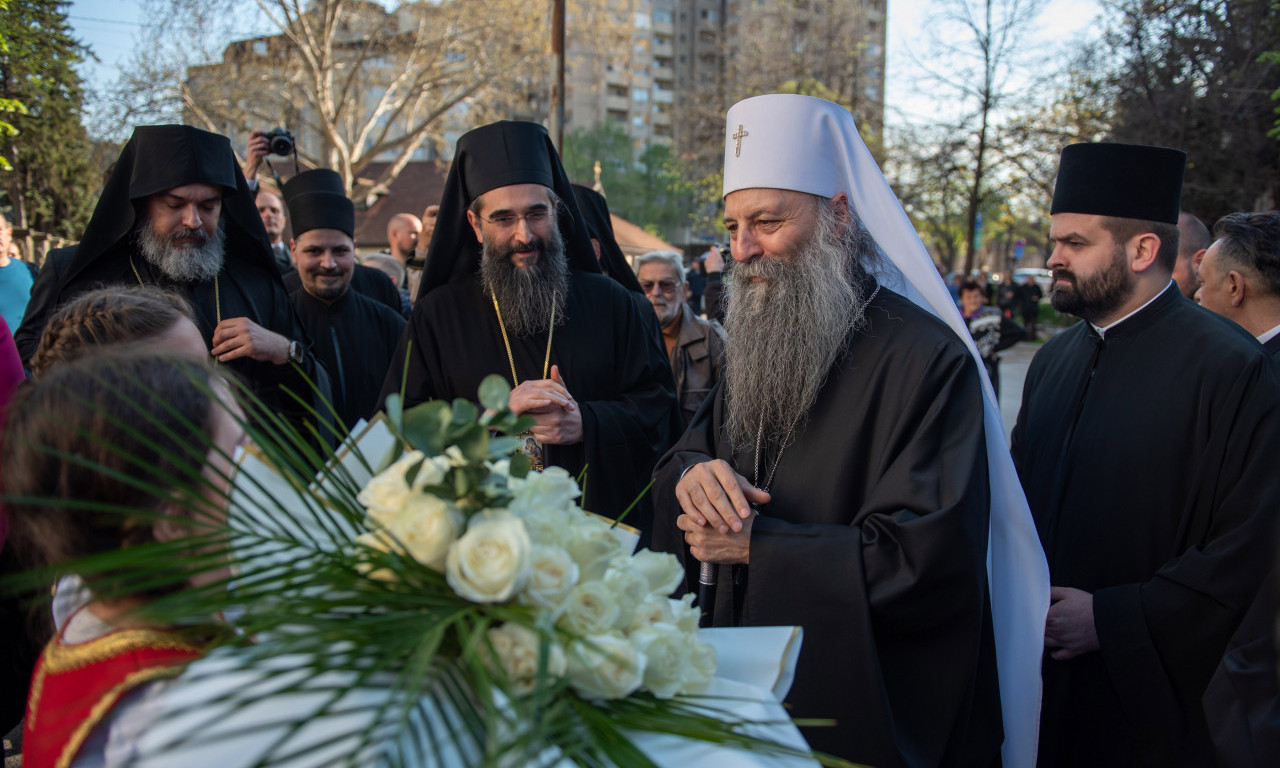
{"x": 119, "y": 315}
{"x": 150, "y": 434}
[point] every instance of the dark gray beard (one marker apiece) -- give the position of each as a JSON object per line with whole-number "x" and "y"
{"x": 525, "y": 296}
{"x": 1096, "y": 296}
{"x": 182, "y": 263}
{"x": 785, "y": 334}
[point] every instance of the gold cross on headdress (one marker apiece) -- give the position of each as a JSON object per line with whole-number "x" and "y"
{"x": 738, "y": 137}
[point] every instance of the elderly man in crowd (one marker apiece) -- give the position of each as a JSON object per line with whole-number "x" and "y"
{"x": 845, "y": 477}
{"x": 695, "y": 347}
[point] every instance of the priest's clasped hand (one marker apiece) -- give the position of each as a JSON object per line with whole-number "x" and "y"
{"x": 238, "y": 337}
{"x": 557, "y": 418}
{"x": 1068, "y": 629}
{"x": 712, "y": 493}
{"x": 708, "y": 545}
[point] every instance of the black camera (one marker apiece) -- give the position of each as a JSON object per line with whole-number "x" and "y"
{"x": 280, "y": 142}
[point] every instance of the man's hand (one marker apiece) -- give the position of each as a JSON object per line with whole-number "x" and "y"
{"x": 709, "y": 545}
{"x": 1069, "y": 626}
{"x": 256, "y": 150}
{"x": 557, "y": 418}
{"x": 712, "y": 494}
{"x": 241, "y": 337}
{"x": 714, "y": 261}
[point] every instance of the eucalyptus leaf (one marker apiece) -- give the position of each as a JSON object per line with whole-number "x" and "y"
{"x": 520, "y": 466}
{"x": 500, "y": 447}
{"x": 394, "y": 408}
{"x": 494, "y": 392}
{"x": 474, "y": 443}
{"x": 425, "y": 425}
{"x": 464, "y": 414}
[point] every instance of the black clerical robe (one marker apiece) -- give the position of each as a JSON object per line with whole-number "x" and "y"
{"x": 1148, "y": 460}
{"x": 1272, "y": 346}
{"x": 875, "y": 542}
{"x": 355, "y": 337}
{"x": 244, "y": 289}
{"x": 611, "y": 363}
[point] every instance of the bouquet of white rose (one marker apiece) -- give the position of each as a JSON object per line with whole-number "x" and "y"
{"x": 426, "y": 599}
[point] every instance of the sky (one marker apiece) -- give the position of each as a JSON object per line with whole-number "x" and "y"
{"x": 110, "y": 29}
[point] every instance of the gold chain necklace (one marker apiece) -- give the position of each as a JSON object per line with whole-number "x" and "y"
{"x": 529, "y": 445}
{"x": 217, "y": 290}
{"x": 551, "y": 329}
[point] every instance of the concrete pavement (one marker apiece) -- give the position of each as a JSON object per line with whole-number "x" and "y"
{"x": 1013, "y": 370}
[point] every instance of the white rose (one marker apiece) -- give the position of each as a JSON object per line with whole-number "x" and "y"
{"x": 427, "y": 527}
{"x": 629, "y": 586}
{"x": 552, "y": 488}
{"x": 388, "y": 491}
{"x": 592, "y": 546}
{"x": 654, "y": 610}
{"x": 661, "y": 569}
{"x": 605, "y": 667}
{"x": 552, "y": 576}
{"x": 592, "y": 609}
{"x": 552, "y": 527}
{"x": 491, "y": 560}
{"x": 686, "y": 613}
{"x": 667, "y": 655}
{"x": 702, "y": 666}
{"x": 518, "y": 649}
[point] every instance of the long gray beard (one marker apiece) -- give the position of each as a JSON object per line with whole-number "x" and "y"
{"x": 525, "y": 296}
{"x": 183, "y": 263}
{"x": 785, "y": 334}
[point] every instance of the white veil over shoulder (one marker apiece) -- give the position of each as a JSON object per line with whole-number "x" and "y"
{"x": 805, "y": 144}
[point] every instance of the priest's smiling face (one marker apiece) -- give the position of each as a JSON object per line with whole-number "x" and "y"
{"x": 326, "y": 259}
{"x": 768, "y": 223}
{"x": 1091, "y": 275}
{"x": 516, "y": 219}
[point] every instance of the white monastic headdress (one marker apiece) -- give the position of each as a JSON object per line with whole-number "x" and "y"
{"x": 804, "y": 144}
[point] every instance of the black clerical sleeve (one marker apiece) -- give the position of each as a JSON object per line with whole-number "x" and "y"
{"x": 354, "y": 338}
{"x": 875, "y": 542}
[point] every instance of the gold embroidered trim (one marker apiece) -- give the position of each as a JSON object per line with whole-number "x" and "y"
{"x": 104, "y": 705}
{"x": 61, "y": 658}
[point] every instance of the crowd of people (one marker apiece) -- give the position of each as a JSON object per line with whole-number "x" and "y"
{"x": 821, "y": 447}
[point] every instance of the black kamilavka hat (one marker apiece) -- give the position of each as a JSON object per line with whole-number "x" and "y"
{"x": 1127, "y": 181}
{"x": 317, "y": 199}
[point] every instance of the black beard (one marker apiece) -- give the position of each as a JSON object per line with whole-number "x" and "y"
{"x": 526, "y": 295}
{"x": 784, "y": 334}
{"x": 182, "y": 263}
{"x": 1095, "y": 296}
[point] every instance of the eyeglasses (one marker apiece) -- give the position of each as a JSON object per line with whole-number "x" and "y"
{"x": 534, "y": 218}
{"x": 666, "y": 286}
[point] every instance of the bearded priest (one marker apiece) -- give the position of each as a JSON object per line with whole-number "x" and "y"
{"x": 512, "y": 287}
{"x": 848, "y": 474}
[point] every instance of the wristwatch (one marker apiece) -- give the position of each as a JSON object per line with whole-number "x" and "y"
{"x": 295, "y": 352}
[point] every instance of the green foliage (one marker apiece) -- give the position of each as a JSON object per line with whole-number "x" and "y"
{"x": 50, "y": 181}
{"x": 649, "y": 191}
{"x": 1194, "y": 74}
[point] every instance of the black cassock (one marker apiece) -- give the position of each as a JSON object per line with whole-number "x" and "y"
{"x": 611, "y": 364}
{"x": 1148, "y": 460}
{"x": 355, "y": 337}
{"x": 875, "y": 542}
